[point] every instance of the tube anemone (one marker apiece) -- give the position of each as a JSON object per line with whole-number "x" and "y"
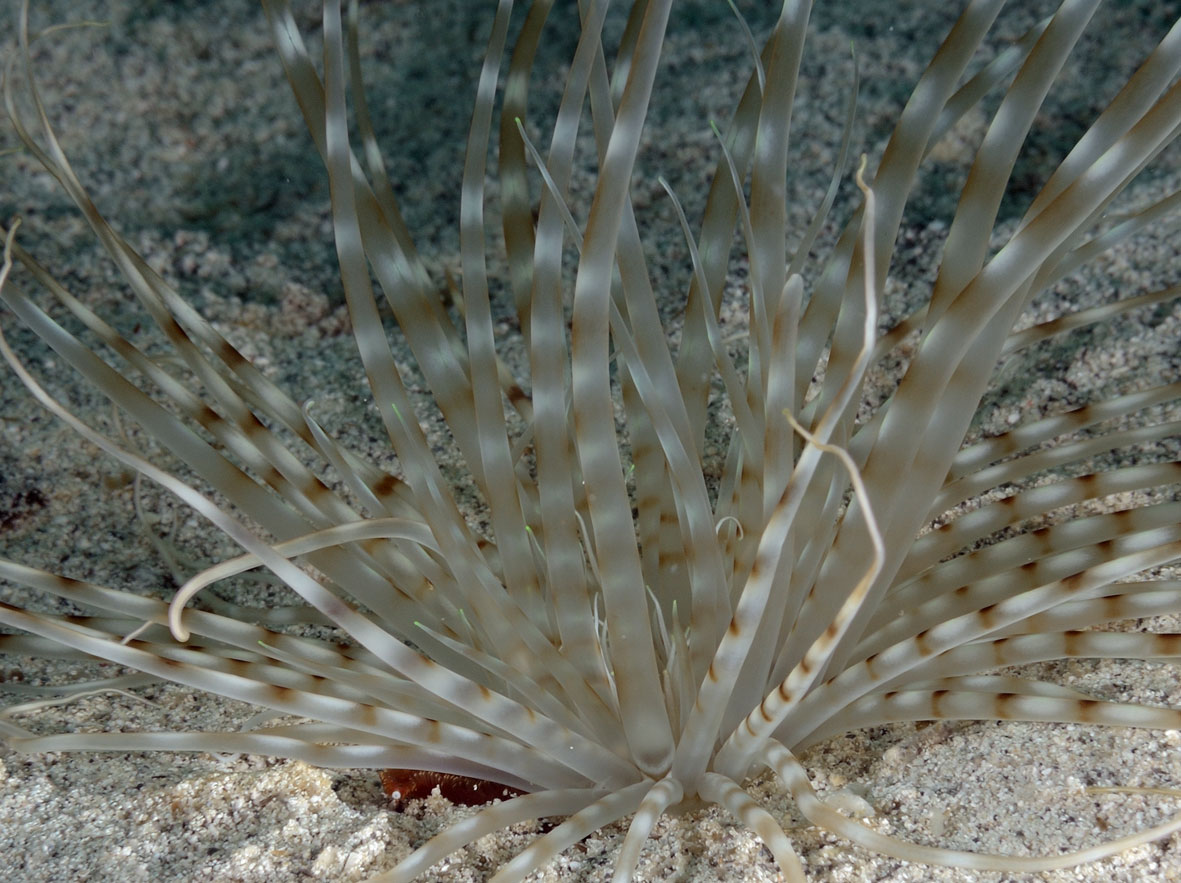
{"x": 682, "y": 524}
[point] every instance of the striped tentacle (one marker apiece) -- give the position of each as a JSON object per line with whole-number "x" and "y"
{"x": 498, "y": 816}
{"x": 1121, "y": 600}
{"x": 501, "y": 486}
{"x": 210, "y": 630}
{"x": 984, "y": 453}
{"x": 994, "y": 684}
{"x": 522, "y": 761}
{"x": 938, "y": 396}
{"x": 268, "y": 509}
{"x": 659, "y": 798}
{"x": 1017, "y": 566}
{"x": 1039, "y": 647}
{"x": 543, "y": 323}
{"x": 325, "y": 668}
{"x": 646, "y": 723}
{"x": 1020, "y": 468}
{"x": 793, "y": 775}
{"x": 724, "y": 791}
{"x": 509, "y": 715}
{"x": 296, "y": 743}
{"x": 912, "y": 705}
{"x": 1122, "y": 557}
{"x": 516, "y": 635}
{"x": 892, "y": 184}
{"x": 921, "y": 402}
{"x": 965, "y": 530}
{"x": 1083, "y": 318}
{"x": 388, "y": 246}
{"x": 587, "y": 820}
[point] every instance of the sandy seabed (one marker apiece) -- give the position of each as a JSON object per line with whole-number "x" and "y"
{"x": 181, "y": 123}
